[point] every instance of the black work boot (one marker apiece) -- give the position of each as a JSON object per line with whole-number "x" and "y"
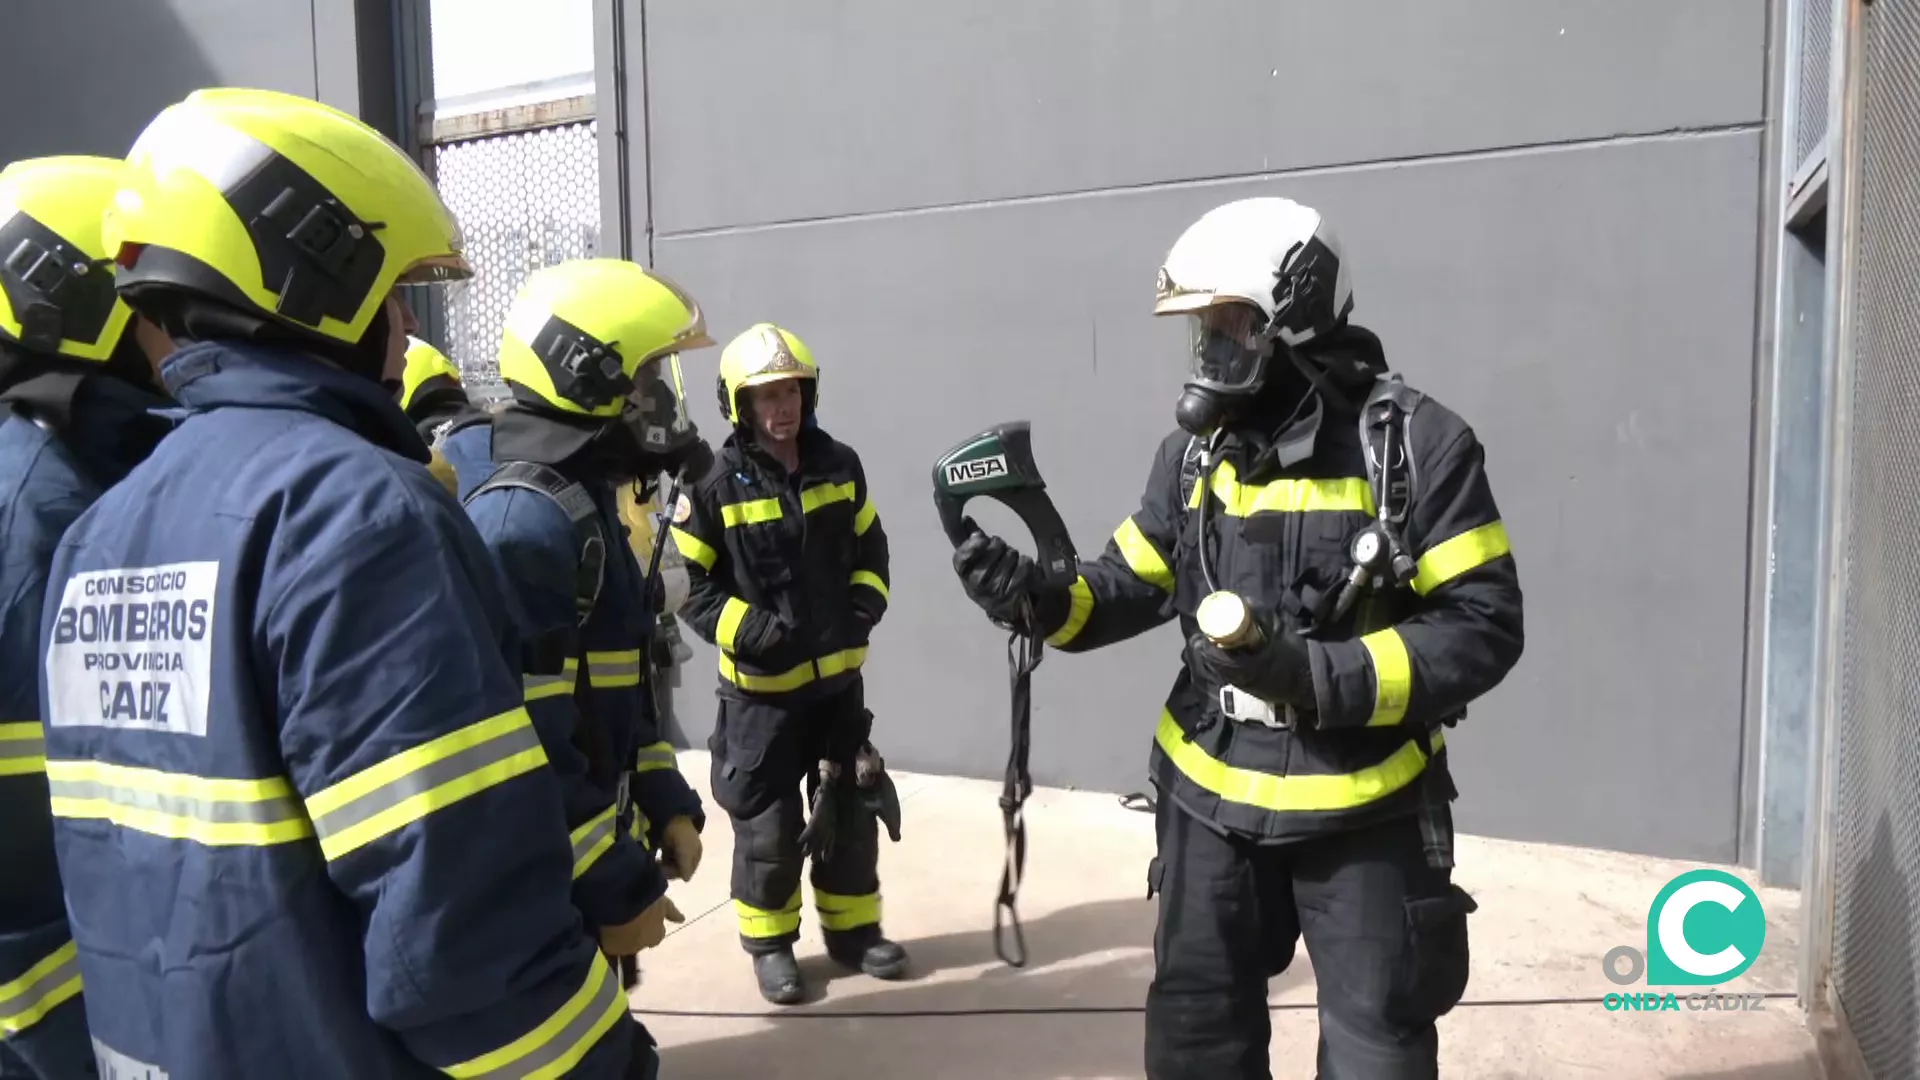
{"x": 779, "y": 977}
{"x": 865, "y": 949}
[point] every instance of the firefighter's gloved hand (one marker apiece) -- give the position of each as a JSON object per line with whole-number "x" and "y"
{"x": 644, "y": 932}
{"x": 996, "y": 575}
{"x": 691, "y": 461}
{"x": 760, "y": 635}
{"x": 681, "y": 844}
{"x": 1277, "y": 669}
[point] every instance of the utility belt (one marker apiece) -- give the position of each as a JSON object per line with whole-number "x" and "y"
{"x": 1242, "y": 707}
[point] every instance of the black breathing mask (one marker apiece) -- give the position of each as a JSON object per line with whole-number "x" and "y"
{"x": 654, "y": 427}
{"x": 1229, "y": 367}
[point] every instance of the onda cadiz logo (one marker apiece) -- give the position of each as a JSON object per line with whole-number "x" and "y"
{"x": 972, "y": 472}
{"x": 1705, "y": 927}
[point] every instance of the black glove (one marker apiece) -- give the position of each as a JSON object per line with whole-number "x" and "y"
{"x": 823, "y": 812}
{"x": 690, "y": 462}
{"x": 761, "y": 635}
{"x": 1276, "y": 670}
{"x": 876, "y": 792}
{"x": 996, "y": 576}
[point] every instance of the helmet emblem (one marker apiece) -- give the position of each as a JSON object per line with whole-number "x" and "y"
{"x": 1164, "y": 286}
{"x": 782, "y": 358}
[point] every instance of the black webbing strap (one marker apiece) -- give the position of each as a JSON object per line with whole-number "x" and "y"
{"x": 577, "y": 504}
{"x": 1024, "y": 648}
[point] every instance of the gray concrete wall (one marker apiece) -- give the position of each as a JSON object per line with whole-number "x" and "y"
{"x": 1552, "y": 213}
{"x": 95, "y": 71}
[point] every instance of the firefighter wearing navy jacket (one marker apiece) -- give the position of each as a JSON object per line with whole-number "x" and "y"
{"x": 591, "y": 355}
{"x": 305, "y": 823}
{"x": 78, "y": 386}
{"x": 436, "y": 402}
{"x": 787, "y": 568}
{"x": 1301, "y": 767}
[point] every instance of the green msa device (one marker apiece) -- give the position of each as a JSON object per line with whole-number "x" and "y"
{"x": 998, "y": 463}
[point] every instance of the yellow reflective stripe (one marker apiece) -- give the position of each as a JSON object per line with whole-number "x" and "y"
{"x": 385, "y": 798}
{"x": 546, "y": 686}
{"x": 639, "y": 829}
{"x": 1080, "y": 594}
{"x": 1392, "y": 676}
{"x": 796, "y": 677}
{"x": 592, "y": 840}
{"x": 1142, "y": 558}
{"x": 560, "y": 1041}
{"x": 864, "y": 520}
{"x": 872, "y": 581}
{"x": 757, "y": 922}
{"x": 846, "y": 912}
{"x": 1285, "y": 794}
{"x": 692, "y": 547}
{"x": 750, "y": 513}
{"x": 841, "y": 662}
{"x": 27, "y": 1000}
{"x": 655, "y": 758}
{"x": 1469, "y": 551}
{"x": 1285, "y": 496}
{"x": 178, "y": 806}
{"x": 821, "y": 495}
{"x": 732, "y": 613}
{"x": 617, "y": 667}
{"x": 23, "y": 749}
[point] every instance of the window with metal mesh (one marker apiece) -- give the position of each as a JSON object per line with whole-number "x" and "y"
{"x": 1876, "y": 931}
{"x": 524, "y": 200}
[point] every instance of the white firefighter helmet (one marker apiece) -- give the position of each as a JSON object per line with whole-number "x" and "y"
{"x": 1275, "y": 254}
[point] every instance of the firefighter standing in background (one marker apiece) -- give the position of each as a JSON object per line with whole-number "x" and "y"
{"x": 436, "y": 402}
{"x": 305, "y": 823}
{"x": 1302, "y": 769}
{"x": 591, "y": 355}
{"x": 787, "y": 565}
{"x": 79, "y": 381}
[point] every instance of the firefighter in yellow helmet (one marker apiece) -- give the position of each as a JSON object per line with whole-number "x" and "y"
{"x": 590, "y": 354}
{"x": 78, "y": 386}
{"x": 788, "y": 569}
{"x": 313, "y": 832}
{"x": 436, "y": 402}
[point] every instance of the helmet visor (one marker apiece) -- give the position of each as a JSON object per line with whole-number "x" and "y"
{"x": 657, "y": 407}
{"x": 1228, "y": 350}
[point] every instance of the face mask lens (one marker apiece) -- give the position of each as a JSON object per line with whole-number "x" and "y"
{"x": 1226, "y": 352}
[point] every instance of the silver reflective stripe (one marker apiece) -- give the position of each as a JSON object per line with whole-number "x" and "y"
{"x": 269, "y": 811}
{"x": 660, "y": 758}
{"x": 605, "y": 671}
{"x": 115, "y": 1065}
{"x": 27, "y": 999}
{"x": 539, "y": 686}
{"x": 600, "y": 829}
{"x": 23, "y": 749}
{"x": 425, "y": 778}
{"x": 567, "y": 1037}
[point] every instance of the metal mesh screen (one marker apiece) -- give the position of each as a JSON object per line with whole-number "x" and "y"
{"x": 1876, "y": 933}
{"x": 525, "y": 200}
{"x": 1816, "y": 62}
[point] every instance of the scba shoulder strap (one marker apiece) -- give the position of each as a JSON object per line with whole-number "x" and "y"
{"x": 1385, "y": 420}
{"x": 578, "y": 505}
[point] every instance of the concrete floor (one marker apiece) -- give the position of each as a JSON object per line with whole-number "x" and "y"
{"x": 1547, "y": 914}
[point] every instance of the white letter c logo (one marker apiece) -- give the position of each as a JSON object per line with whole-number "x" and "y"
{"x": 1673, "y": 921}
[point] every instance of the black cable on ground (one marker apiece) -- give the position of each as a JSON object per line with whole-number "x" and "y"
{"x": 1078, "y": 1010}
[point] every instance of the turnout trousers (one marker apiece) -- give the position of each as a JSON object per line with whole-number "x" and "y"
{"x": 1384, "y": 925}
{"x": 766, "y": 755}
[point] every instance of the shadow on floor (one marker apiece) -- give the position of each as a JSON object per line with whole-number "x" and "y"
{"x": 1802, "y": 1067}
{"x": 1095, "y": 1028}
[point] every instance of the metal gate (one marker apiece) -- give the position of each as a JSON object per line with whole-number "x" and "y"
{"x": 1871, "y": 827}
{"x": 524, "y": 183}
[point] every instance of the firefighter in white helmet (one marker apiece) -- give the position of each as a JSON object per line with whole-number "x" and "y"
{"x": 1345, "y": 526}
